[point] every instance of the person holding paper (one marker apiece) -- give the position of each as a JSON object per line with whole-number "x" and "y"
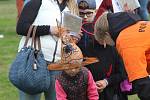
{"x": 87, "y": 10}
{"x": 117, "y": 6}
{"x": 126, "y": 5}
{"x": 46, "y": 15}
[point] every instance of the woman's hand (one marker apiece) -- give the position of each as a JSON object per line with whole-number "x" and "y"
{"x": 101, "y": 84}
{"x": 58, "y": 31}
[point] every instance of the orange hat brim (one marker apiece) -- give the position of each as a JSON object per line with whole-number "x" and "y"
{"x": 65, "y": 66}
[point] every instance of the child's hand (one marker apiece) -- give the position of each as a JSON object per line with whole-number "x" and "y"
{"x": 101, "y": 84}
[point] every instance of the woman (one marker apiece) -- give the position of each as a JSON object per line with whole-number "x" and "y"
{"x": 46, "y": 14}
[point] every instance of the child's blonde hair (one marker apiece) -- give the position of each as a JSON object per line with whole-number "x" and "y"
{"x": 101, "y": 27}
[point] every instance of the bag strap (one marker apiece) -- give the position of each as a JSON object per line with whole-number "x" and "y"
{"x": 55, "y": 51}
{"x": 34, "y": 37}
{"x": 39, "y": 43}
{"x": 28, "y": 35}
{"x": 33, "y": 42}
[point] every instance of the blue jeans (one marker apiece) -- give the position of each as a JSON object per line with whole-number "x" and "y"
{"x": 142, "y": 11}
{"x": 49, "y": 95}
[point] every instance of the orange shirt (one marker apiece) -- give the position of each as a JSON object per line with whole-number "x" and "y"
{"x": 148, "y": 60}
{"x": 133, "y": 44}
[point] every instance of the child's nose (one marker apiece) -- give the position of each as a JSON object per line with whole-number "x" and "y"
{"x": 85, "y": 16}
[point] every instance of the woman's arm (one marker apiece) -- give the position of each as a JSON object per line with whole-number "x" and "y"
{"x": 28, "y": 16}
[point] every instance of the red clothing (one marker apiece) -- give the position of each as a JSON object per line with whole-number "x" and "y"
{"x": 105, "y": 5}
{"x": 19, "y": 5}
{"x": 91, "y": 90}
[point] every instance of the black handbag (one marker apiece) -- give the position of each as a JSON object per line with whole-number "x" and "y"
{"x": 29, "y": 72}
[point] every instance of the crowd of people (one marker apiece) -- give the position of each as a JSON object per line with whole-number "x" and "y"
{"x": 119, "y": 39}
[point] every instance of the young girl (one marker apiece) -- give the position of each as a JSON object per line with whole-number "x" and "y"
{"x": 75, "y": 82}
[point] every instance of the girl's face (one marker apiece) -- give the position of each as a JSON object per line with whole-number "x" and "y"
{"x": 73, "y": 72}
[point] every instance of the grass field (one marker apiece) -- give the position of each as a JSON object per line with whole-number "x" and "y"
{"x": 8, "y": 46}
{"x": 8, "y": 49}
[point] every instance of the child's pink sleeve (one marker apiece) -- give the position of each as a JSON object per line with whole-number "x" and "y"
{"x": 60, "y": 93}
{"x": 92, "y": 90}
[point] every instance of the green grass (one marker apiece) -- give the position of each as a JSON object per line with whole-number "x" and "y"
{"x": 8, "y": 46}
{"x": 8, "y": 49}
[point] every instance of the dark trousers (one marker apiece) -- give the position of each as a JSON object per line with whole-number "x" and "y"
{"x": 142, "y": 87}
{"x": 112, "y": 93}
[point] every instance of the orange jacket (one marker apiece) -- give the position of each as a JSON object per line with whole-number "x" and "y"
{"x": 148, "y": 60}
{"x": 133, "y": 44}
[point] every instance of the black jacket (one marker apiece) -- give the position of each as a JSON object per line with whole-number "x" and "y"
{"x": 119, "y": 21}
{"x": 110, "y": 66}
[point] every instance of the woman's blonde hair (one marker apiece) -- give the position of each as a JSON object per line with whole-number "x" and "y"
{"x": 73, "y": 7}
{"x": 101, "y": 27}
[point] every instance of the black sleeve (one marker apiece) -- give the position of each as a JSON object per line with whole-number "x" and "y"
{"x": 28, "y": 16}
{"x": 119, "y": 72}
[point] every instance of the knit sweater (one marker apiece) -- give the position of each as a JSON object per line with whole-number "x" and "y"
{"x": 84, "y": 87}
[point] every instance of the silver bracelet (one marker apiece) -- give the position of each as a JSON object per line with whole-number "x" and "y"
{"x": 106, "y": 81}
